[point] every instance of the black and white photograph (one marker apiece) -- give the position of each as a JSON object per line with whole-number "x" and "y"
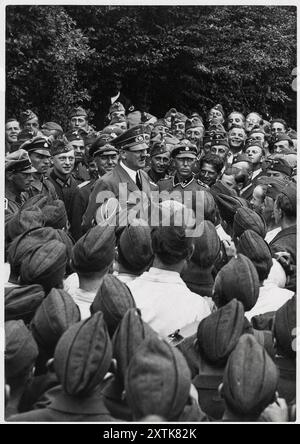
{"x": 149, "y": 225}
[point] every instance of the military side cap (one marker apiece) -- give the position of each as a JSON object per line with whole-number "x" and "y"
{"x": 285, "y": 329}
{"x": 250, "y": 379}
{"x": 185, "y": 150}
{"x": 195, "y": 123}
{"x": 118, "y": 119}
{"x": 54, "y": 316}
{"x": 116, "y": 107}
{"x": 136, "y": 138}
{"x": 219, "y": 107}
{"x": 19, "y": 161}
{"x": 21, "y": 349}
{"x": 160, "y": 122}
{"x": 207, "y": 245}
{"x": 38, "y": 145}
{"x": 241, "y": 158}
{"x": 132, "y": 331}
{"x": 158, "y": 380}
{"x": 158, "y": 148}
{"x": 135, "y": 246}
{"x": 238, "y": 279}
{"x": 73, "y": 135}
{"x": 52, "y": 126}
{"x": 55, "y": 214}
{"x": 290, "y": 191}
{"x": 228, "y": 205}
{"x": 46, "y": 265}
{"x": 292, "y": 134}
{"x": 83, "y": 356}
{"x": 171, "y": 113}
{"x": 283, "y": 122}
{"x": 247, "y": 219}
{"x": 113, "y": 298}
{"x": 60, "y": 147}
{"x": 112, "y": 131}
{"x": 252, "y": 245}
{"x": 95, "y": 250}
{"x": 250, "y": 142}
{"x": 78, "y": 111}
{"x": 22, "y": 302}
{"x": 278, "y": 164}
{"x": 105, "y": 149}
{"x": 218, "y": 334}
{"x": 27, "y": 115}
{"x": 209, "y": 206}
{"x": 24, "y": 220}
{"x": 274, "y": 185}
{"x": 280, "y": 137}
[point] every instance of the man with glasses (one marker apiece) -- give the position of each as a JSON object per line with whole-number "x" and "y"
{"x": 128, "y": 175}
{"x": 63, "y": 159}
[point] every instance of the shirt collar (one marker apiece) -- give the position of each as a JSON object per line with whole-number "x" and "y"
{"x": 62, "y": 183}
{"x": 161, "y": 275}
{"x": 131, "y": 173}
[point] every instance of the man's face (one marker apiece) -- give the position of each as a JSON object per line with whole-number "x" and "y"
{"x": 216, "y": 115}
{"x": 106, "y": 161}
{"x": 179, "y": 129}
{"x": 93, "y": 169}
{"x": 258, "y": 137}
{"x": 79, "y": 149}
{"x": 228, "y": 181}
{"x": 64, "y": 163}
{"x": 160, "y": 129}
{"x": 184, "y": 166}
{"x": 195, "y": 135}
{"x": 257, "y": 199}
{"x": 255, "y": 154}
{"x": 220, "y": 151}
{"x": 22, "y": 181}
{"x": 135, "y": 160}
{"x": 77, "y": 122}
{"x": 12, "y": 130}
{"x": 160, "y": 163}
{"x": 281, "y": 147}
{"x": 237, "y": 137}
{"x": 235, "y": 119}
{"x": 32, "y": 125}
{"x": 277, "y": 174}
{"x": 117, "y": 114}
{"x": 208, "y": 174}
{"x": 251, "y": 120}
{"x": 40, "y": 162}
{"x": 277, "y": 128}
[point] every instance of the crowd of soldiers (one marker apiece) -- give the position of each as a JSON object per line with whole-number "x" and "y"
{"x": 116, "y": 321}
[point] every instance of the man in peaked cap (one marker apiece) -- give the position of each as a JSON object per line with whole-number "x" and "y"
{"x": 128, "y": 177}
{"x": 252, "y": 367}
{"x": 30, "y": 121}
{"x": 183, "y": 185}
{"x": 92, "y": 258}
{"x": 65, "y": 185}
{"x": 18, "y": 178}
{"x": 159, "y": 161}
{"x": 82, "y": 359}
{"x": 38, "y": 149}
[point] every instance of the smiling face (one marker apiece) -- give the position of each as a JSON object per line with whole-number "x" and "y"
{"x": 160, "y": 163}
{"x": 63, "y": 163}
{"x": 236, "y": 119}
{"x": 236, "y": 138}
{"x": 208, "y": 174}
{"x": 251, "y": 120}
{"x": 12, "y": 130}
{"x": 195, "y": 134}
{"x": 107, "y": 161}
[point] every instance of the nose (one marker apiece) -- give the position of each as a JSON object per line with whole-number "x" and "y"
{"x": 67, "y": 162}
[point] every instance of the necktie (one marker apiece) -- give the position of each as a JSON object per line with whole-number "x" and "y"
{"x": 138, "y": 180}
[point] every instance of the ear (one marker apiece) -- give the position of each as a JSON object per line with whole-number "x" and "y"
{"x": 123, "y": 154}
{"x": 190, "y": 252}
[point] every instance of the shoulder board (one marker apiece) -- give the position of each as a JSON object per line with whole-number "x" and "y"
{"x": 5, "y": 203}
{"x": 83, "y": 184}
{"x": 199, "y": 182}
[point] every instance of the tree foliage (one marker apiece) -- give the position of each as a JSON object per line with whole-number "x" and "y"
{"x": 189, "y": 57}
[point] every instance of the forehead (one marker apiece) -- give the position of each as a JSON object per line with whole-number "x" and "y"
{"x": 35, "y": 119}
{"x": 77, "y": 142}
{"x": 235, "y": 115}
{"x": 215, "y": 110}
{"x": 208, "y": 167}
{"x": 237, "y": 130}
{"x": 253, "y": 147}
{"x": 195, "y": 129}
{"x": 78, "y": 118}
{"x": 64, "y": 155}
{"x": 161, "y": 156}
{"x": 11, "y": 124}
{"x": 258, "y": 133}
{"x": 219, "y": 147}
{"x": 253, "y": 116}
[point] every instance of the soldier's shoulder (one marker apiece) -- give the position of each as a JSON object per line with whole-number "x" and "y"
{"x": 199, "y": 182}
{"x": 84, "y": 184}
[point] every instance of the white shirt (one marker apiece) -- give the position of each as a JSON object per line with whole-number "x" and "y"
{"x": 131, "y": 173}
{"x": 272, "y": 295}
{"x": 165, "y": 301}
{"x": 255, "y": 174}
{"x": 82, "y": 298}
{"x": 271, "y": 234}
{"x": 125, "y": 277}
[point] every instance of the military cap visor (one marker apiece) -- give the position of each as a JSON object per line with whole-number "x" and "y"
{"x": 21, "y": 166}
{"x": 184, "y": 151}
{"x": 134, "y": 139}
{"x": 105, "y": 150}
{"x": 39, "y": 145}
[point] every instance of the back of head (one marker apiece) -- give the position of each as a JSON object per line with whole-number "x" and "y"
{"x": 237, "y": 279}
{"x": 21, "y": 351}
{"x": 83, "y": 356}
{"x": 258, "y": 251}
{"x": 158, "y": 380}
{"x": 207, "y": 246}
{"x": 287, "y": 200}
{"x": 55, "y": 315}
{"x": 134, "y": 246}
{"x": 113, "y": 299}
{"x": 219, "y": 333}
{"x": 285, "y": 329}
{"x": 250, "y": 379}
{"x": 94, "y": 252}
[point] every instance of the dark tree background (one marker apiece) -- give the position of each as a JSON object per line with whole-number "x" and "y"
{"x": 186, "y": 57}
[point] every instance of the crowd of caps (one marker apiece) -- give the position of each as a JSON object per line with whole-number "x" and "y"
{"x": 142, "y": 323}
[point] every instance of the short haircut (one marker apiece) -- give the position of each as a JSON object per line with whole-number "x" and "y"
{"x": 213, "y": 160}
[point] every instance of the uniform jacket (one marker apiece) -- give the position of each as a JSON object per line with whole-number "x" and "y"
{"x": 286, "y": 240}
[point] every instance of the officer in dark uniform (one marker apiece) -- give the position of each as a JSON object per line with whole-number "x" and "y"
{"x": 159, "y": 161}
{"x": 63, "y": 159}
{"x": 18, "y": 177}
{"x": 38, "y": 150}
